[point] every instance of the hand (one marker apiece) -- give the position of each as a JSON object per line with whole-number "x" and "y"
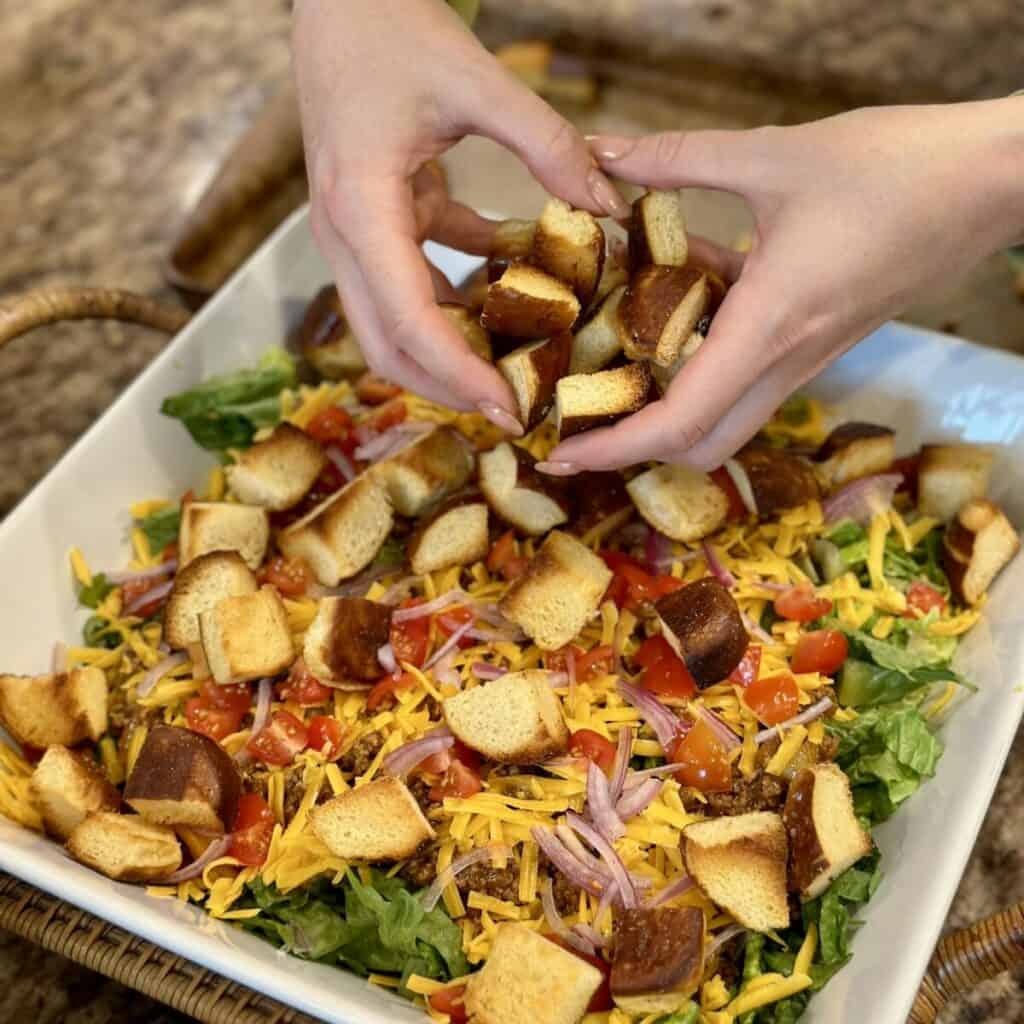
{"x": 384, "y": 87}
{"x": 854, "y": 215}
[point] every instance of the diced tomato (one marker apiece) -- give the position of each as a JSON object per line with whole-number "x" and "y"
{"x": 279, "y": 740}
{"x": 455, "y": 618}
{"x": 202, "y": 716}
{"x": 773, "y": 699}
{"x": 632, "y": 585}
{"x": 601, "y": 1000}
{"x": 460, "y": 782}
{"x": 254, "y": 826}
{"x": 664, "y": 672}
{"x": 909, "y": 466}
{"x": 331, "y": 426}
{"x": 704, "y": 758}
{"x": 558, "y": 661}
{"x": 923, "y": 597}
{"x": 597, "y": 661}
{"x": 737, "y": 510}
{"x": 822, "y": 651}
{"x": 374, "y": 390}
{"x": 410, "y": 640}
{"x": 593, "y": 746}
{"x": 746, "y": 671}
{"x": 169, "y": 553}
{"x": 325, "y": 735}
{"x": 451, "y": 1001}
{"x": 503, "y": 559}
{"x": 387, "y": 688}
{"x": 236, "y": 697}
{"x": 135, "y": 589}
{"x": 291, "y": 576}
{"x": 303, "y": 687}
{"x": 801, "y": 604}
{"x": 389, "y": 415}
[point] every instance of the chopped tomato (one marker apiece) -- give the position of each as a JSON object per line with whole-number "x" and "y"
{"x": 451, "y": 1001}
{"x": 773, "y": 699}
{"x": 253, "y": 828}
{"x": 593, "y": 746}
{"x": 387, "y": 688}
{"x": 236, "y": 697}
{"x": 170, "y": 552}
{"x": 503, "y": 559}
{"x": 601, "y": 1000}
{"x": 455, "y": 618}
{"x": 202, "y": 716}
{"x": 823, "y": 650}
{"x": 558, "y": 661}
{"x": 389, "y": 415}
{"x": 704, "y": 758}
{"x": 632, "y": 585}
{"x": 279, "y": 740}
{"x": 135, "y": 589}
{"x": 460, "y": 782}
{"x": 325, "y": 735}
{"x": 923, "y": 597}
{"x": 303, "y": 687}
{"x": 410, "y": 640}
{"x": 664, "y": 673}
{"x": 597, "y": 661}
{"x": 374, "y": 390}
{"x": 331, "y": 426}
{"x": 746, "y": 671}
{"x": 909, "y": 466}
{"x": 737, "y": 510}
{"x": 801, "y": 604}
{"x": 291, "y": 576}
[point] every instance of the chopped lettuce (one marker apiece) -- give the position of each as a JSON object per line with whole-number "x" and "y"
{"x": 97, "y": 632}
{"x": 161, "y": 527}
{"x": 95, "y": 592}
{"x": 688, "y": 1014}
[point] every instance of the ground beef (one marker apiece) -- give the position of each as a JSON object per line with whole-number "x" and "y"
{"x": 359, "y": 758}
{"x": 420, "y": 789}
{"x": 501, "y": 883}
{"x": 255, "y": 778}
{"x": 829, "y": 748}
{"x": 761, "y": 793}
{"x": 421, "y": 870}
{"x": 433, "y": 708}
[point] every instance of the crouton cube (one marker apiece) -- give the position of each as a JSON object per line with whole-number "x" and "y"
{"x": 426, "y": 471}
{"x": 68, "y": 787}
{"x": 277, "y": 473}
{"x": 978, "y": 545}
{"x": 512, "y": 240}
{"x": 854, "y": 450}
{"x": 467, "y": 324}
{"x": 779, "y": 481}
{"x": 588, "y": 400}
{"x": 246, "y": 637}
{"x": 61, "y": 709}
{"x": 601, "y": 338}
{"x": 342, "y": 643}
{"x": 198, "y": 587}
{"x": 125, "y": 848}
{"x": 454, "y": 535}
{"x": 221, "y": 526}
{"x": 661, "y": 310}
{"x": 657, "y": 231}
{"x": 615, "y": 272}
{"x": 569, "y": 245}
{"x": 679, "y": 502}
{"x": 527, "y": 303}
{"x": 532, "y": 373}
{"x": 326, "y": 339}
{"x": 950, "y": 475}
{"x": 530, "y": 501}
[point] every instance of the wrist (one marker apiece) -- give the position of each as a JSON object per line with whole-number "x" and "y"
{"x": 1002, "y": 154}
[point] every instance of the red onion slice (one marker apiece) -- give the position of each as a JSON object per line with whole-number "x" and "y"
{"x": 119, "y": 578}
{"x": 658, "y": 551}
{"x": 670, "y": 891}
{"x": 721, "y": 938}
{"x": 588, "y": 933}
{"x": 600, "y": 806}
{"x": 158, "y": 671}
{"x": 557, "y": 679}
{"x": 402, "y": 761}
{"x": 620, "y": 766}
{"x": 665, "y": 724}
{"x": 591, "y": 861}
{"x": 430, "y": 897}
{"x": 862, "y": 499}
{"x": 392, "y": 440}
{"x": 445, "y": 671}
{"x": 216, "y": 849}
{"x": 755, "y": 630}
{"x": 157, "y": 593}
{"x": 341, "y": 462}
{"x": 449, "y": 645}
{"x": 557, "y": 925}
{"x": 575, "y": 871}
{"x": 439, "y": 604}
{"x": 739, "y": 477}
{"x": 358, "y": 585}
{"x": 717, "y": 726}
{"x": 627, "y": 894}
{"x": 813, "y": 712}
{"x": 484, "y": 671}
{"x": 512, "y": 635}
{"x": 716, "y": 568}
{"x": 386, "y": 657}
{"x": 635, "y": 778}
{"x": 264, "y": 693}
{"x": 638, "y": 799}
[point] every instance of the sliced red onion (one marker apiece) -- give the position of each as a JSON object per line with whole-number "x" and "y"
{"x": 445, "y": 671}
{"x": 638, "y": 799}
{"x": 402, "y": 761}
{"x": 670, "y": 892}
{"x": 755, "y": 630}
{"x": 59, "y": 657}
{"x": 716, "y": 568}
{"x": 430, "y": 897}
{"x": 813, "y": 712}
{"x": 634, "y": 779}
{"x": 512, "y": 635}
{"x": 439, "y": 604}
{"x": 588, "y": 933}
{"x": 589, "y": 860}
{"x": 216, "y": 849}
{"x": 775, "y": 588}
{"x": 739, "y": 477}
{"x": 386, "y": 657}
{"x": 665, "y": 724}
{"x": 264, "y": 693}
{"x": 557, "y": 679}
{"x": 484, "y": 671}
{"x": 575, "y": 871}
{"x": 341, "y": 462}
{"x": 358, "y": 585}
{"x": 605, "y": 904}
{"x": 119, "y": 578}
{"x": 158, "y": 671}
{"x": 721, "y": 938}
{"x": 658, "y": 551}
{"x": 717, "y": 726}
{"x": 627, "y": 894}
{"x": 862, "y": 499}
{"x": 600, "y": 806}
{"x": 488, "y": 612}
{"x": 558, "y": 926}
{"x": 157, "y": 593}
{"x": 620, "y": 766}
{"x": 449, "y": 645}
{"x": 400, "y": 590}
{"x": 390, "y": 441}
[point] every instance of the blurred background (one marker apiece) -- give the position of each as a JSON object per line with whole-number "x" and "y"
{"x": 127, "y": 159}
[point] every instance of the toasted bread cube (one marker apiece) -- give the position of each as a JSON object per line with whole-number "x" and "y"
{"x": 779, "y": 481}
{"x": 950, "y": 475}
{"x": 125, "y": 848}
{"x": 600, "y": 499}
{"x": 825, "y": 837}
{"x": 467, "y": 323}
{"x": 198, "y": 587}
{"x": 529, "y": 980}
{"x": 343, "y": 534}
{"x": 569, "y": 245}
{"x": 658, "y": 958}
{"x": 615, "y": 272}
{"x": 530, "y": 501}
{"x": 854, "y": 450}
{"x": 739, "y": 863}
{"x": 664, "y": 375}
{"x": 527, "y": 303}
{"x": 657, "y": 231}
{"x": 703, "y": 625}
{"x": 277, "y": 473}
{"x": 559, "y": 592}
{"x": 661, "y": 310}
{"x": 69, "y": 786}
{"x": 515, "y": 719}
{"x": 588, "y": 400}
{"x": 61, "y": 709}
{"x": 426, "y": 471}
{"x": 184, "y": 778}
{"x": 380, "y": 821}
{"x": 978, "y": 545}
{"x": 679, "y": 502}
{"x": 454, "y": 535}
{"x": 474, "y": 292}
{"x": 221, "y": 526}
{"x": 512, "y": 240}
{"x": 327, "y": 341}
{"x": 246, "y": 637}
{"x": 532, "y": 372}
{"x": 601, "y": 338}
{"x": 342, "y": 643}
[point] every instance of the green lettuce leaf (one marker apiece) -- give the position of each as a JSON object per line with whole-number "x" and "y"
{"x": 688, "y": 1014}
{"x": 161, "y": 527}
{"x": 95, "y": 592}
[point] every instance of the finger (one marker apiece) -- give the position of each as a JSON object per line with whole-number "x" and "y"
{"x": 728, "y": 263}
{"x": 444, "y": 221}
{"x": 444, "y": 290}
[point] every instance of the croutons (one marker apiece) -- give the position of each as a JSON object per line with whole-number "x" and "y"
{"x": 467, "y": 324}
{"x": 702, "y": 624}
{"x": 530, "y": 501}
{"x": 657, "y": 231}
{"x": 343, "y": 534}
{"x": 569, "y": 245}
{"x": 560, "y": 590}
{"x": 184, "y": 778}
{"x": 527, "y": 303}
{"x": 529, "y": 980}
{"x": 474, "y": 290}
{"x": 614, "y": 274}
{"x": 779, "y": 481}
{"x": 456, "y": 534}
{"x": 679, "y": 502}
{"x": 327, "y": 342}
{"x": 62, "y": 709}
{"x": 978, "y": 544}
{"x": 950, "y": 475}
{"x": 601, "y": 338}
{"x": 221, "y": 526}
{"x": 342, "y": 643}
{"x": 198, "y": 587}
{"x": 426, "y": 471}
{"x": 739, "y": 863}
{"x": 661, "y": 310}
{"x": 515, "y": 719}
{"x": 587, "y": 400}
{"x": 277, "y": 473}
{"x": 600, "y": 499}
{"x": 246, "y": 637}
{"x": 825, "y": 837}
{"x": 68, "y": 786}
{"x": 512, "y": 240}
{"x": 125, "y": 848}
{"x": 380, "y": 821}
{"x": 532, "y": 372}
{"x": 854, "y": 450}
{"x": 658, "y": 958}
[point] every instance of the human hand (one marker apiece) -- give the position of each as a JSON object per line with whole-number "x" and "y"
{"x": 384, "y": 87}
{"x": 853, "y": 216}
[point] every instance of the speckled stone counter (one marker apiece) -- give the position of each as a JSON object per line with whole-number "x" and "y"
{"x": 114, "y": 117}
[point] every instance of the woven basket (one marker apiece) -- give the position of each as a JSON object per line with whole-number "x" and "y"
{"x": 961, "y": 960}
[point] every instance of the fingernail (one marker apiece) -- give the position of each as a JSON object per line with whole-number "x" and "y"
{"x": 606, "y": 195}
{"x": 558, "y": 468}
{"x": 501, "y": 419}
{"x": 610, "y": 147}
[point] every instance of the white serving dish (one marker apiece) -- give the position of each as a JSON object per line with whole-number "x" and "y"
{"x": 928, "y": 386}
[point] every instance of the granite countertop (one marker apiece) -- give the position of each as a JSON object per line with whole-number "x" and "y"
{"x": 116, "y": 115}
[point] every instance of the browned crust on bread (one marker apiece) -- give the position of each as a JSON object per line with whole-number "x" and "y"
{"x": 177, "y": 633}
{"x": 846, "y": 433}
{"x": 467, "y": 323}
{"x": 579, "y": 265}
{"x": 779, "y": 481}
{"x": 532, "y": 372}
{"x": 596, "y": 496}
{"x": 64, "y": 708}
{"x": 324, "y": 320}
{"x": 657, "y": 950}
{"x": 634, "y": 384}
{"x": 653, "y": 308}
{"x": 527, "y": 303}
{"x": 643, "y": 227}
{"x": 125, "y": 847}
{"x": 357, "y": 630}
